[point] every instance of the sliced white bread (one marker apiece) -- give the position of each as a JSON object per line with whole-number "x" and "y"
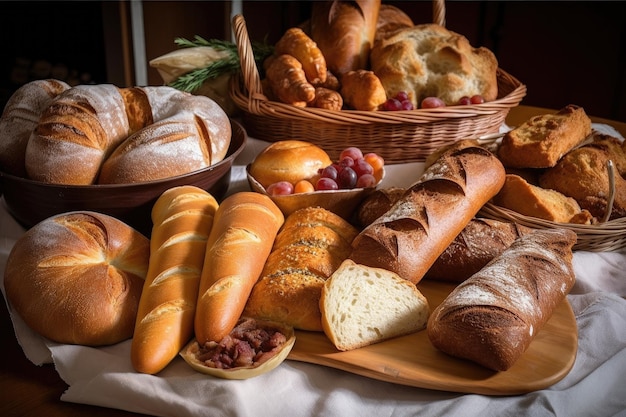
{"x": 361, "y": 305}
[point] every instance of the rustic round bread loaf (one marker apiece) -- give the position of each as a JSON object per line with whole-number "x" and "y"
{"x": 76, "y": 278}
{"x": 165, "y": 132}
{"x": 430, "y": 61}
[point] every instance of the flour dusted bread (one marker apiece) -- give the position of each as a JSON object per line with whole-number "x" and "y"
{"x": 310, "y": 246}
{"x": 76, "y": 278}
{"x": 172, "y": 133}
{"x": 544, "y": 203}
{"x": 494, "y": 315}
{"x": 20, "y": 117}
{"x": 413, "y": 233}
{"x": 361, "y": 306}
{"x": 542, "y": 140}
{"x": 430, "y": 60}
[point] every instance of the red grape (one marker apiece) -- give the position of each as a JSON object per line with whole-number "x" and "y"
{"x": 346, "y": 161}
{"x": 465, "y": 101}
{"x": 362, "y": 167}
{"x": 347, "y": 178}
{"x": 432, "y": 102}
{"x": 477, "y": 99}
{"x": 402, "y": 96}
{"x": 326, "y": 184}
{"x": 392, "y": 104}
{"x": 366, "y": 181}
{"x": 280, "y": 188}
{"x": 329, "y": 172}
{"x": 352, "y": 152}
{"x": 407, "y": 105}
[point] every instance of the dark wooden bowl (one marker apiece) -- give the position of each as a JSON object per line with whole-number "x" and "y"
{"x": 30, "y": 202}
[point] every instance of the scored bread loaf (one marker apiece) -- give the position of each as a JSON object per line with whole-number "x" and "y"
{"x": 345, "y": 31}
{"x": 361, "y": 306}
{"x": 243, "y": 232}
{"x": 479, "y": 243}
{"x": 544, "y": 203}
{"x": 542, "y": 140}
{"x": 77, "y": 277}
{"x": 310, "y": 246}
{"x": 20, "y": 117}
{"x": 493, "y": 316}
{"x": 411, "y": 235}
{"x": 182, "y": 219}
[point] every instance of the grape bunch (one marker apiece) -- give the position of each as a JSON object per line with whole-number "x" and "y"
{"x": 434, "y": 102}
{"x": 399, "y": 102}
{"x": 353, "y": 170}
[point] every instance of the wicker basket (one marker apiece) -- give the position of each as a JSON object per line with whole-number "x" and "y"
{"x": 604, "y": 237}
{"x": 399, "y": 137}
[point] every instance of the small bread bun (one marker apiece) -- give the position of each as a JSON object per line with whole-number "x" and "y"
{"x": 77, "y": 277}
{"x": 288, "y": 160}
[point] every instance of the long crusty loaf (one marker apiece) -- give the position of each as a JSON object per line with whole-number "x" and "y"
{"x": 479, "y": 243}
{"x": 542, "y": 140}
{"x": 420, "y": 226}
{"x": 493, "y": 316}
{"x": 182, "y": 220}
{"x": 20, "y": 117}
{"x": 310, "y": 246}
{"x": 361, "y": 306}
{"x": 345, "y": 31}
{"x": 244, "y": 229}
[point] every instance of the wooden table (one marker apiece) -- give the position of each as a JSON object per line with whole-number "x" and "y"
{"x": 29, "y": 390}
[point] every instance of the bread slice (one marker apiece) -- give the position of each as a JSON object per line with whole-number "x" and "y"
{"x": 362, "y": 305}
{"x": 542, "y": 140}
{"x": 530, "y": 200}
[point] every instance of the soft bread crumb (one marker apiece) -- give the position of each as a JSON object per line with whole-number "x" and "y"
{"x": 362, "y": 305}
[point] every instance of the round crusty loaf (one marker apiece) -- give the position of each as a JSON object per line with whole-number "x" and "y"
{"x": 77, "y": 277}
{"x": 429, "y": 60}
{"x": 19, "y": 119}
{"x": 288, "y": 160}
{"x": 82, "y": 127}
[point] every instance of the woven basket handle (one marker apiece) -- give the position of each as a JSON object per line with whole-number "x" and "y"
{"x": 250, "y": 72}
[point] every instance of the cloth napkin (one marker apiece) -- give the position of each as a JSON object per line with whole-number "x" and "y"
{"x": 104, "y": 376}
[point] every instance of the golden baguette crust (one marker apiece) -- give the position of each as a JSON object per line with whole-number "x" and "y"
{"x": 76, "y": 278}
{"x": 182, "y": 220}
{"x": 345, "y": 31}
{"x": 494, "y": 315}
{"x": 542, "y": 140}
{"x": 419, "y": 227}
{"x": 244, "y": 229}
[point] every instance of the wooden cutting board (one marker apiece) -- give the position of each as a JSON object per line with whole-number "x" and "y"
{"x": 412, "y": 360}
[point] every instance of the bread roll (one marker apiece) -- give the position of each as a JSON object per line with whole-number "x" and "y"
{"x": 288, "y": 160}
{"x": 244, "y": 229}
{"x": 542, "y": 140}
{"x": 419, "y": 227}
{"x": 493, "y": 316}
{"x": 361, "y": 306}
{"x": 310, "y": 246}
{"x": 182, "y": 220}
{"x": 76, "y": 278}
{"x": 429, "y": 60}
{"x": 20, "y": 117}
{"x": 344, "y": 31}
{"x": 362, "y": 90}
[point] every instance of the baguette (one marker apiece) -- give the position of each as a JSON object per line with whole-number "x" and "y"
{"x": 409, "y": 237}
{"x": 493, "y": 316}
{"x": 244, "y": 229}
{"x": 182, "y": 219}
{"x": 344, "y": 31}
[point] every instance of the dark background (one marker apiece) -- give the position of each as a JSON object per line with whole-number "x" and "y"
{"x": 564, "y": 51}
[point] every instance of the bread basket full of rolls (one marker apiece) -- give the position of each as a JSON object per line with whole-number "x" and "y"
{"x": 389, "y": 85}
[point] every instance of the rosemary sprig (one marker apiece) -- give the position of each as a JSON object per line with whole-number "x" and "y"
{"x": 191, "y": 81}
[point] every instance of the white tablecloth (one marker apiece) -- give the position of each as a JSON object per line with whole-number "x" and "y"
{"x": 596, "y": 386}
